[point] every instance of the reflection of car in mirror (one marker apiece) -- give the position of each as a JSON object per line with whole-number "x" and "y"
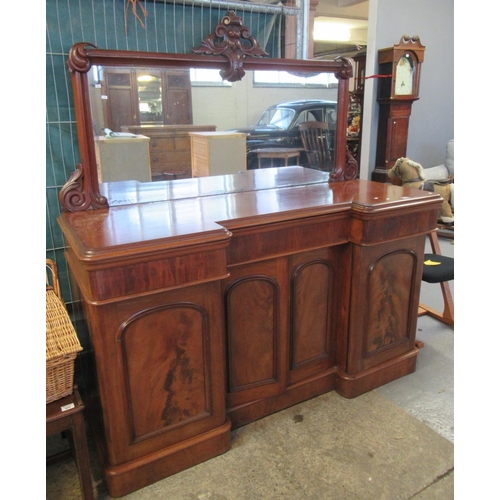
{"x": 278, "y": 126}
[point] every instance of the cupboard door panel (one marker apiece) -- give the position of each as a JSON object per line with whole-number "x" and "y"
{"x": 316, "y": 318}
{"x": 252, "y": 331}
{"x": 384, "y": 305}
{"x": 310, "y": 339}
{"x": 255, "y": 301}
{"x": 166, "y": 376}
{"x": 388, "y": 306}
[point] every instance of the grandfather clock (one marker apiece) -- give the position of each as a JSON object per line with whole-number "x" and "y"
{"x": 398, "y": 87}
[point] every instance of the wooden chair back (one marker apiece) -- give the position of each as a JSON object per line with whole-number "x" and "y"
{"x": 318, "y": 143}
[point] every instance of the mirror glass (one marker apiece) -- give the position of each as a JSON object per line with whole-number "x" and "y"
{"x": 165, "y": 124}
{"x": 149, "y": 98}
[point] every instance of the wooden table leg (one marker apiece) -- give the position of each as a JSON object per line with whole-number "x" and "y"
{"x": 82, "y": 456}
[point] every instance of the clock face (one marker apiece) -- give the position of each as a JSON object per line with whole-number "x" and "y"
{"x": 403, "y": 81}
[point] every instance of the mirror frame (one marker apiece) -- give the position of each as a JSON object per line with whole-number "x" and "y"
{"x": 238, "y": 51}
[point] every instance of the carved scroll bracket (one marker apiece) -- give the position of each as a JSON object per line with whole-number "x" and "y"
{"x": 236, "y": 43}
{"x": 76, "y": 196}
{"x": 348, "y": 173}
{"x": 346, "y": 70}
{"x": 78, "y": 59}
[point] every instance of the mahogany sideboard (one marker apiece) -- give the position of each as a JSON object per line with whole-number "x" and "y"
{"x": 240, "y": 296}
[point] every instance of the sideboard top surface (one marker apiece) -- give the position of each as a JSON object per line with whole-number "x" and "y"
{"x": 131, "y": 192}
{"x": 204, "y": 212}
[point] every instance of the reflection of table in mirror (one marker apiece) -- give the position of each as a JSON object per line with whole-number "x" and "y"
{"x": 123, "y": 158}
{"x": 282, "y": 153}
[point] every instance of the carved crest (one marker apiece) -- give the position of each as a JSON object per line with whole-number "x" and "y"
{"x": 411, "y": 41}
{"x": 234, "y": 41}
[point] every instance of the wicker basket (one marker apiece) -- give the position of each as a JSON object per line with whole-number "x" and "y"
{"x": 62, "y": 342}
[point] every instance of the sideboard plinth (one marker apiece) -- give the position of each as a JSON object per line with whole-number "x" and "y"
{"x": 352, "y": 386}
{"x": 135, "y": 474}
{"x": 302, "y": 391}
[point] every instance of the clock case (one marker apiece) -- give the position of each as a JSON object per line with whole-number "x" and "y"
{"x": 394, "y": 109}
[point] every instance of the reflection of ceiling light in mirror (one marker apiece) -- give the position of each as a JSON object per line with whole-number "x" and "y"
{"x": 331, "y": 31}
{"x": 337, "y": 29}
{"x": 145, "y": 78}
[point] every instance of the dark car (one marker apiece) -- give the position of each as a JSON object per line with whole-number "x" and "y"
{"x": 278, "y": 126}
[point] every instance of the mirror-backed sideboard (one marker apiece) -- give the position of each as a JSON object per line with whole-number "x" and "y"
{"x": 215, "y": 301}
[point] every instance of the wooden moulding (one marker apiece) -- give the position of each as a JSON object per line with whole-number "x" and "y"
{"x": 101, "y": 285}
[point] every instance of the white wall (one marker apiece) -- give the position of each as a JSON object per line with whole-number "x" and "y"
{"x": 226, "y": 108}
{"x": 432, "y": 117}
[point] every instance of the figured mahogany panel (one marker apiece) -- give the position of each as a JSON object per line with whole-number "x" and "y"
{"x": 388, "y": 292}
{"x": 255, "y": 303}
{"x": 319, "y": 294}
{"x": 160, "y": 371}
{"x": 251, "y": 305}
{"x": 385, "y": 284}
{"x": 165, "y": 366}
{"x": 310, "y": 313}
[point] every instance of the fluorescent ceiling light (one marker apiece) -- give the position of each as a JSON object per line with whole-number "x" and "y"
{"x": 335, "y": 29}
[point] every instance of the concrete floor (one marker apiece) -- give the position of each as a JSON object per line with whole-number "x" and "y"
{"x": 396, "y": 442}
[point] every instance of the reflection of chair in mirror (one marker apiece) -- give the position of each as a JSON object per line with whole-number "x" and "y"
{"x": 439, "y": 269}
{"x": 317, "y": 142}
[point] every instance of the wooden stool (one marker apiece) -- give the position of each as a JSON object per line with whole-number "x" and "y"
{"x": 66, "y": 414}
{"x": 441, "y": 273}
